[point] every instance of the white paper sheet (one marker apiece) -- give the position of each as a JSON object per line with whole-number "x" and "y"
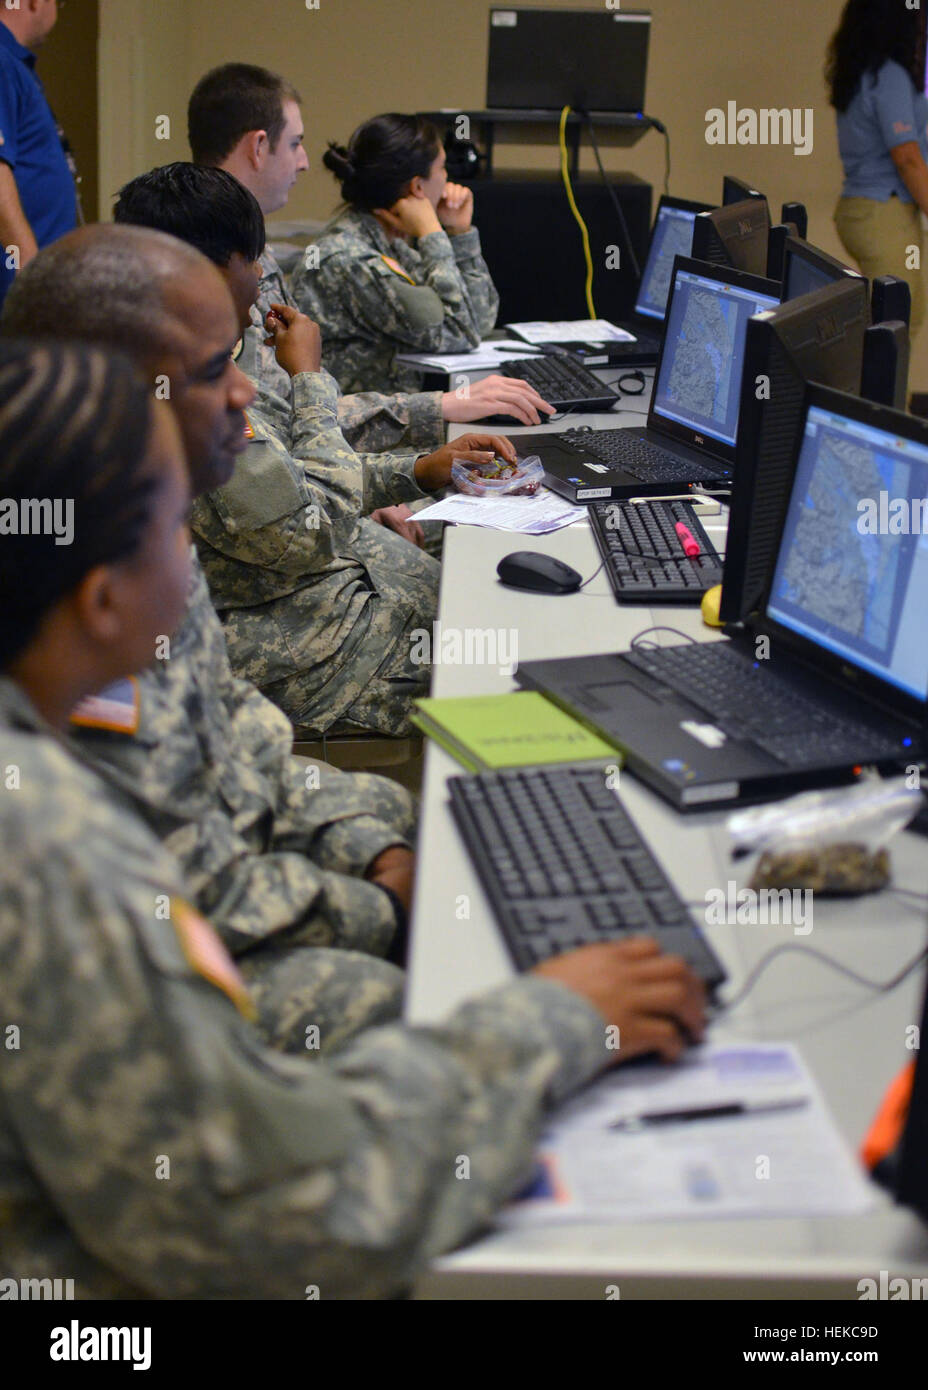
{"x": 532, "y": 515}
{"x": 488, "y": 354}
{"x": 789, "y": 1162}
{"x": 571, "y": 331}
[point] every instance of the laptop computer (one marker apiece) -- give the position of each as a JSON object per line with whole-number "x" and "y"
{"x": 545, "y": 59}
{"x": 692, "y": 424}
{"x": 671, "y": 235}
{"x": 831, "y": 676}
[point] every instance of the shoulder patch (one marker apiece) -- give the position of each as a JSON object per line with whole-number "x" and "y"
{"x": 249, "y": 429}
{"x": 205, "y": 953}
{"x": 116, "y": 708}
{"x": 397, "y": 268}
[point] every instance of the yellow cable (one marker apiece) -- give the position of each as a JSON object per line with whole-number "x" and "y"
{"x": 565, "y": 175}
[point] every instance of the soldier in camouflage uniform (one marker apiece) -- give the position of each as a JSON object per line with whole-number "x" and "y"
{"x": 399, "y": 269}
{"x": 247, "y": 121}
{"x": 273, "y": 850}
{"x": 320, "y": 605}
{"x": 369, "y": 420}
{"x": 151, "y": 1145}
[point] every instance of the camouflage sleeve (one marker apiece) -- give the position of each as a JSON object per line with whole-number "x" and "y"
{"x": 345, "y": 819}
{"x": 319, "y": 446}
{"x": 371, "y": 422}
{"x": 194, "y": 1162}
{"x": 481, "y": 291}
{"x": 285, "y": 512}
{"x": 435, "y": 315}
{"x": 298, "y": 903}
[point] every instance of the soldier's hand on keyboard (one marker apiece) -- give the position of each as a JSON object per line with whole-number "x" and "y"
{"x": 295, "y": 338}
{"x": 655, "y": 1000}
{"x": 495, "y": 395}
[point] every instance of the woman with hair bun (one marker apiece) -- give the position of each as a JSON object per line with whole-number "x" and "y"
{"x": 399, "y": 268}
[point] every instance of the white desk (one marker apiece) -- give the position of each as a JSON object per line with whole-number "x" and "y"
{"x": 851, "y": 1038}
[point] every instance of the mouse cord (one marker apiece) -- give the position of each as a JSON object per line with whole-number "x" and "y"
{"x": 881, "y": 986}
{"x": 590, "y": 581}
{"x": 638, "y": 639}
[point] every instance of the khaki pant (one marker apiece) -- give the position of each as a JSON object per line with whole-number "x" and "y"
{"x": 879, "y": 236}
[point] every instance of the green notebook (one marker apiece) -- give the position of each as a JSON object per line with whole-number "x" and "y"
{"x": 517, "y": 730}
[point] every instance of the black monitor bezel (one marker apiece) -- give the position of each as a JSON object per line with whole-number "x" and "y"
{"x": 881, "y": 691}
{"x": 821, "y": 260}
{"x": 746, "y": 190}
{"x": 746, "y": 484}
{"x": 727, "y": 275}
{"x": 667, "y": 201}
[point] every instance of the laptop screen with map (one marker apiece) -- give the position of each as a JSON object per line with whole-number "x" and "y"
{"x": 672, "y": 236}
{"x": 699, "y": 379}
{"x": 852, "y": 569}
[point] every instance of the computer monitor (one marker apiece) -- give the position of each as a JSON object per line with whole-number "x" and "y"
{"x": 697, "y": 384}
{"x": 819, "y": 337}
{"x": 672, "y": 235}
{"x": 545, "y": 59}
{"x": 806, "y": 268}
{"x": 735, "y": 235}
{"x": 736, "y": 190}
{"x": 853, "y": 587}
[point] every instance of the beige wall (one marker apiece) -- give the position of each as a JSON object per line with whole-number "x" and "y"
{"x": 353, "y": 58}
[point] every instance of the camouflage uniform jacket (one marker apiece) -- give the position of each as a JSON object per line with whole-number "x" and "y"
{"x": 373, "y": 297}
{"x": 369, "y": 421}
{"x": 305, "y": 585}
{"x": 210, "y": 770}
{"x": 151, "y": 1145}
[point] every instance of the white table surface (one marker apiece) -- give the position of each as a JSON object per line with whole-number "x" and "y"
{"x": 852, "y": 1039}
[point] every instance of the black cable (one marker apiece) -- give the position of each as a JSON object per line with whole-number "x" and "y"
{"x": 662, "y": 627}
{"x": 612, "y": 193}
{"x": 636, "y": 376}
{"x": 909, "y": 893}
{"x": 882, "y": 987}
{"x": 590, "y": 580}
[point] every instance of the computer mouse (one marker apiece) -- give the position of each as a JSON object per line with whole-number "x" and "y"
{"x": 529, "y": 569}
{"x": 709, "y": 607}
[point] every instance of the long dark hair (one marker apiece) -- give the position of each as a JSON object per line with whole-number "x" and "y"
{"x": 871, "y": 33}
{"x": 382, "y": 156}
{"x": 74, "y": 427}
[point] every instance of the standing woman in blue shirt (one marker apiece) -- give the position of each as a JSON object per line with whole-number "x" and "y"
{"x": 876, "y": 76}
{"x": 38, "y": 198}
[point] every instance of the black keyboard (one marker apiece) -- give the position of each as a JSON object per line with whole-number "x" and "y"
{"x": 753, "y": 701}
{"x": 644, "y": 556}
{"x": 563, "y": 382}
{"x": 564, "y": 865}
{"x": 640, "y": 458}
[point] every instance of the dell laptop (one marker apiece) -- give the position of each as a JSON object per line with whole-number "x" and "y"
{"x": 831, "y": 676}
{"x": 690, "y": 437}
{"x": 671, "y": 235}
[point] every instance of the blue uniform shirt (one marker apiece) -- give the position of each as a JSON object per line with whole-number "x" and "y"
{"x": 885, "y": 111}
{"x": 31, "y": 146}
